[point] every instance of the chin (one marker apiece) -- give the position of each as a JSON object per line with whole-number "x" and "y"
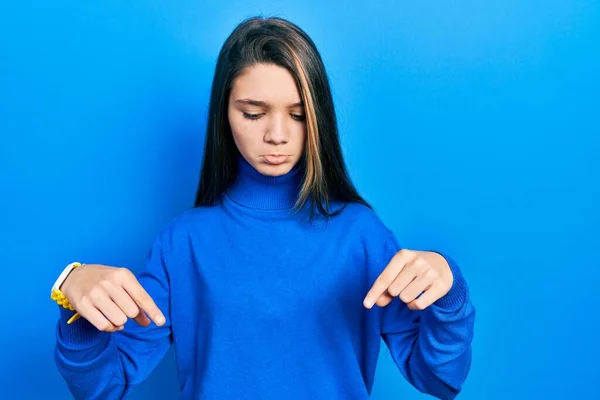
{"x": 274, "y": 170}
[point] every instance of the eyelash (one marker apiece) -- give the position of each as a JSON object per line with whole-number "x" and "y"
{"x": 254, "y": 117}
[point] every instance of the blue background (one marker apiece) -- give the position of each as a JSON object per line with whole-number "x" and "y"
{"x": 472, "y": 127}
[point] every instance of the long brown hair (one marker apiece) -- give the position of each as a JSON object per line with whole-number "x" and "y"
{"x": 280, "y": 42}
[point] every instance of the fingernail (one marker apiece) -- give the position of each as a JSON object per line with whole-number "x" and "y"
{"x": 160, "y": 319}
{"x": 368, "y": 303}
{"x": 121, "y": 328}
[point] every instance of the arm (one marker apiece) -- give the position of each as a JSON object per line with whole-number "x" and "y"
{"x": 431, "y": 346}
{"x": 104, "y": 365}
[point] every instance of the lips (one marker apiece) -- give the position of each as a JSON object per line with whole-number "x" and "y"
{"x": 275, "y": 159}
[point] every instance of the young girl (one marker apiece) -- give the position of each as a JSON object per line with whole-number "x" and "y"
{"x": 267, "y": 287}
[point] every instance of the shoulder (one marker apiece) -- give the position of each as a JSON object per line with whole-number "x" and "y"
{"x": 377, "y": 243}
{"x": 358, "y": 217}
{"x": 363, "y": 226}
{"x": 189, "y": 222}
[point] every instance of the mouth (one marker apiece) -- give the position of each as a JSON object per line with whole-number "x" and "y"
{"x": 275, "y": 159}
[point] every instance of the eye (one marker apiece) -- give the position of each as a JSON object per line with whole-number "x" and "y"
{"x": 298, "y": 117}
{"x": 251, "y": 116}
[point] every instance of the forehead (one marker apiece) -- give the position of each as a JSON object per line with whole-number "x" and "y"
{"x": 266, "y": 82}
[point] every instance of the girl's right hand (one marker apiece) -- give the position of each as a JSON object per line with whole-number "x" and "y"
{"x": 107, "y": 296}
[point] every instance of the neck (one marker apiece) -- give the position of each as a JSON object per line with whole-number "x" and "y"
{"x": 254, "y": 190}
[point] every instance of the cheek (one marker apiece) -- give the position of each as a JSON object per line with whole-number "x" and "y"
{"x": 245, "y": 133}
{"x": 299, "y": 135}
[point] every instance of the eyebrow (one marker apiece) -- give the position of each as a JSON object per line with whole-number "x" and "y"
{"x": 260, "y": 103}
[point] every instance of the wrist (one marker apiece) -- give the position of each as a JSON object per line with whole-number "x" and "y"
{"x": 67, "y": 278}
{"x": 56, "y": 292}
{"x": 458, "y": 291}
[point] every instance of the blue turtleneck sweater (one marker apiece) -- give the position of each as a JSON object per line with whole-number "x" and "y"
{"x": 263, "y": 304}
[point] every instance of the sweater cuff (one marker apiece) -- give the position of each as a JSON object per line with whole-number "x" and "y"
{"x": 80, "y": 334}
{"x": 457, "y": 294}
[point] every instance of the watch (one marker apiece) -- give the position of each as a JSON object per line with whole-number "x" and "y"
{"x": 56, "y": 294}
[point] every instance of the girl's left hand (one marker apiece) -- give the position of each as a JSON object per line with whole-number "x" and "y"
{"x": 419, "y": 278}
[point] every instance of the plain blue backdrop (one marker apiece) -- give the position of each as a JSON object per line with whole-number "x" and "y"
{"x": 472, "y": 127}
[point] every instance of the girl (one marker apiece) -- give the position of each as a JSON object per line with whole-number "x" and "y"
{"x": 267, "y": 287}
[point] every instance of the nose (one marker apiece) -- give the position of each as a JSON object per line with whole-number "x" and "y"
{"x": 277, "y": 131}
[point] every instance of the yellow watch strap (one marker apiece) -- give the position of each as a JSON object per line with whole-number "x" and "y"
{"x": 58, "y": 296}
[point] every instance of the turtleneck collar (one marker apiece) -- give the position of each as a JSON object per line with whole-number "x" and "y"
{"x": 262, "y": 192}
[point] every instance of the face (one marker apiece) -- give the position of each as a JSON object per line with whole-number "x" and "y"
{"x": 267, "y": 118}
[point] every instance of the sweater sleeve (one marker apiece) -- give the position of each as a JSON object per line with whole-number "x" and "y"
{"x": 103, "y": 365}
{"x": 431, "y": 347}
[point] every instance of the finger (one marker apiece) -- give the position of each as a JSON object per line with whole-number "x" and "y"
{"x": 122, "y": 299}
{"x": 128, "y": 305}
{"x": 144, "y": 301}
{"x": 384, "y": 299}
{"x": 388, "y": 275}
{"x": 426, "y": 299}
{"x": 87, "y": 310}
{"x": 142, "y": 319}
{"x": 106, "y": 306}
{"x": 415, "y": 288}
{"x": 408, "y": 274}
